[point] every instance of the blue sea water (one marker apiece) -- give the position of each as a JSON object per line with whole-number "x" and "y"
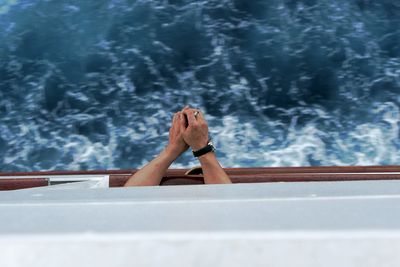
{"x": 93, "y": 84}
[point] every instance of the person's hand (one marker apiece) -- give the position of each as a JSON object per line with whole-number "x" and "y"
{"x": 176, "y": 144}
{"x": 196, "y": 132}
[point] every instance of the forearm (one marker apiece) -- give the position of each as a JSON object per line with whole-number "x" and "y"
{"x": 212, "y": 171}
{"x": 153, "y": 172}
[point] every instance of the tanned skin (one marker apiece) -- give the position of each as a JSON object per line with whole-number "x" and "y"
{"x": 187, "y": 130}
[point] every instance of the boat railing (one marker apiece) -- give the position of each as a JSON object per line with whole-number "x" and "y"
{"x": 117, "y": 178}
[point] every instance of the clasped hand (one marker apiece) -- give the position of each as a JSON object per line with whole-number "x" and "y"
{"x": 188, "y": 129}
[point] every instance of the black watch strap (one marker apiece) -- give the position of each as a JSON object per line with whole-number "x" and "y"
{"x": 208, "y": 148}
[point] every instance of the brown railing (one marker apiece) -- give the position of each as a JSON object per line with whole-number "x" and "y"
{"x": 13, "y": 184}
{"x": 238, "y": 175}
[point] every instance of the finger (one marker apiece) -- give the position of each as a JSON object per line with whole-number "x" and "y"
{"x": 190, "y": 115}
{"x": 178, "y": 118}
{"x": 197, "y": 112}
{"x": 200, "y": 117}
{"x": 174, "y": 117}
{"x": 186, "y": 107}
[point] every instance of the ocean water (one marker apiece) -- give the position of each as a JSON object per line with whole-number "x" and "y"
{"x": 93, "y": 84}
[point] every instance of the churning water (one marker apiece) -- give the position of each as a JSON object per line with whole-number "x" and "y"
{"x": 93, "y": 84}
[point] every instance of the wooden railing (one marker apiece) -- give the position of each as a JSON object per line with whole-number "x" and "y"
{"x": 237, "y": 175}
{"x": 13, "y": 184}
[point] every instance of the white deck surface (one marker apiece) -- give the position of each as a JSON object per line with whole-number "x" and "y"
{"x": 279, "y": 224}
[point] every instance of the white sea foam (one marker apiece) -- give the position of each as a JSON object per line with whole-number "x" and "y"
{"x": 282, "y": 84}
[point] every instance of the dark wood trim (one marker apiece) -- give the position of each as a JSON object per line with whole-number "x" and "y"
{"x": 91, "y": 172}
{"x": 233, "y": 171}
{"x": 13, "y": 184}
{"x": 238, "y": 175}
{"x": 320, "y": 169}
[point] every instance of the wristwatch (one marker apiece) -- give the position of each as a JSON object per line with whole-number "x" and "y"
{"x": 208, "y": 148}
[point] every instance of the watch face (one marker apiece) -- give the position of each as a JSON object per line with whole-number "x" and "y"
{"x": 212, "y": 145}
